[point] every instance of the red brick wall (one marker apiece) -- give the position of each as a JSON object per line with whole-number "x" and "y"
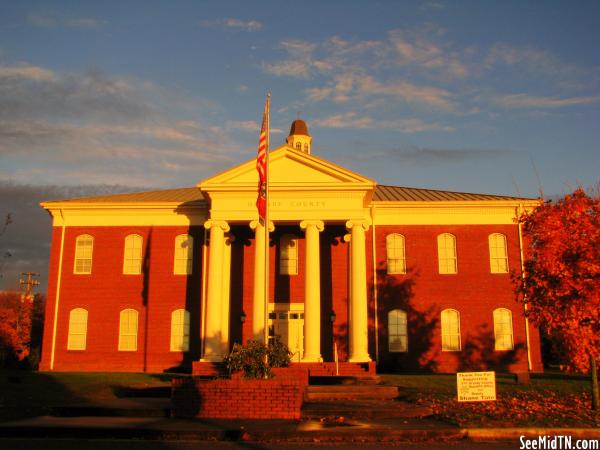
{"x": 423, "y": 292}
{"x": 237, "y": 399}
{"x": 473, "y": 291}
{"x": 106, "y": 291}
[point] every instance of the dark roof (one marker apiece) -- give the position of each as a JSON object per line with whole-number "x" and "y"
{"x": 181, "y": 195}
{"x": 408, "y": 194}
{"x": 382, "y": 194}
{"x": 299, "y": 127}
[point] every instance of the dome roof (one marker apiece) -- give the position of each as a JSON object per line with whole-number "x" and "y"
{"x": 299, "y": 127}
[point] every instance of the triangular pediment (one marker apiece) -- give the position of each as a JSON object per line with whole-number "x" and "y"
{"x": 288, "y": 168}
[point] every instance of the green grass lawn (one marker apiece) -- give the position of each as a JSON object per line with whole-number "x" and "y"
{"x": 553, "y": 399}
{"x": 28, "y": 394}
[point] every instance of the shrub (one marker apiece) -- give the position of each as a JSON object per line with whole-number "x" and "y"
{"x": 256, "y": 359}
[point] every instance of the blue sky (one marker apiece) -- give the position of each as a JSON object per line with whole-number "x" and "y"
{"x": 453, "y": 95}
{"x": 466, "y": 96}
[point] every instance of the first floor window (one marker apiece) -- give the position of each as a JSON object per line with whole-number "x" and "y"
{"x": 128, "y": 330}
{"x": 77, "y": 329}
{"x": 503, "y": 331}
{"x": 180, "y": 330}
{"x": 397, "y": 337}
{"x": 450, "y": 330}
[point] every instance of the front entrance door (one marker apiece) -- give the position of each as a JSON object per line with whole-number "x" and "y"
{"x": 287, "y": 322}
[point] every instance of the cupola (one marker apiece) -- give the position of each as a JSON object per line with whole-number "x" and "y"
{"x": 299, "y": 139}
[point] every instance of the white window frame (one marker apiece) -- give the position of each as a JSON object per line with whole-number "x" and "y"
{"x": 127, "y": 315}
{"x": 395, "y": 246}
{"x": 132, "y": 254}
{"x": 78, "y": 318}
{"x": 503, "y": 330}
{"x": 288, "y": 254}
{"x": 183, "y": 255}
{"x": 447, "y": 260}
{"x": 452, "y": 335}
{"x": 83, "y": 254}
{"x": 397, "y": 331}
{"x": 498, "y": 253}
{"x": 180, "y": 330}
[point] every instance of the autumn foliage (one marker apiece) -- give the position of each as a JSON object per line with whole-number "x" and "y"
{"x": 20, "y": 326}
{"x": 561, "y": 283}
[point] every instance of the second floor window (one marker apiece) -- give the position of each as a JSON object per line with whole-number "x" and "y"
{"x": 132, "y": 256}
{"x": 447, "y": 253}
{"x": 396, "y": 260}
{"x": 184, "y": 251}
{"x": 84, "y": 248}
{"x": 288, "y": 255}
{"x": 498, "y": 253}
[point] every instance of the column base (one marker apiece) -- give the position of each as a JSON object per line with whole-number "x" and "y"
{"x": 312, "y": 358}
{"x": 360, "y": 359}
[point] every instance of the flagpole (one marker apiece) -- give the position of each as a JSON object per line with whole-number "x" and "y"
{"x": 268, "y": 139}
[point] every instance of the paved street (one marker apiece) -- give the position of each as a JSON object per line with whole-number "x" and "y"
{"x": 101, "y": 444}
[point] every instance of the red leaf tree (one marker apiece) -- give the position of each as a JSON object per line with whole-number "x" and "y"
{"x": 560, "y": 286}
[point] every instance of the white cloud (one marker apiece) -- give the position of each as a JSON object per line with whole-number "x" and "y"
{"x": 353, "y": 120}
{"x": 85, "y": 127}
{"x": 233, "y": 23}
{"x": 530, "y": 101}
{"x": 55, "y": 20}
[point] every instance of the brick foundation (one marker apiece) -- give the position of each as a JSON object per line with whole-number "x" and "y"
{"x": 237, "y": 398}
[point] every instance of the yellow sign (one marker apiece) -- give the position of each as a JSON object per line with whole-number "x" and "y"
{"x": 476, "y": 386}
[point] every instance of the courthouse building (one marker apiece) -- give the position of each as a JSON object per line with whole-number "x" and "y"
{"x": 408, "y": 278}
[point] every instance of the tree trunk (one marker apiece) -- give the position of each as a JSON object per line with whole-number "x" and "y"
{"x": 595, "y": 400}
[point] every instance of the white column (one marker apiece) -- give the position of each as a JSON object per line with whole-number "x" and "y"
{"x": 359, "y": 332}
{"x": 225, "y": 291}
{"x": 212, "y": 337}
{"x": 312, "y": 296}
{"x": 258, "y": 305}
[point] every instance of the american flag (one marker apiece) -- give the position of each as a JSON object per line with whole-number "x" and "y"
{"x": 261, "y": 164}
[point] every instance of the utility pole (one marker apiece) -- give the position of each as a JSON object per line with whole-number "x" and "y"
{"x": 29, "y": 283}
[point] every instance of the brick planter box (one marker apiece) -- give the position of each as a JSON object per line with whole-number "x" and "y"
{"x": 238, "y": 398}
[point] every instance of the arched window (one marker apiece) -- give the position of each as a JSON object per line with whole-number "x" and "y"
{"x": 396, "y": 259}
{"x": 397, "y": 336}
{"x": 84, "y": 248}
{"x": 288, "y": 255}
{"x": 128, "y": 330}
{"x": 77, "y": 329}
{"x": 450, "y": 330}
{"x": 305, "y": 148}
{"x": 447, "y": 253}
{"x": 184, "y": 252}
{"x": 132, "y": 256}
{"x": 299, "y": 146}
{"x": 498, "y": 253}
{"x": 503, "y": 330}
{"x": 180, "y": 330}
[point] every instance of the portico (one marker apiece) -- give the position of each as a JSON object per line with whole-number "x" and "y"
{"x": 309, "y": 195}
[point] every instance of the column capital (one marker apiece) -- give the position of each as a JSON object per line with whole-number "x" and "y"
{"x": 254, "y": 224}
{"x": 216, "y": 224}
{"x": 364, "y": 223}
{"x": 319, "y": 224}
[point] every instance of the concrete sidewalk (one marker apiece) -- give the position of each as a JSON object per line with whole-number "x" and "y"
{"x": 383, "y": 430}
